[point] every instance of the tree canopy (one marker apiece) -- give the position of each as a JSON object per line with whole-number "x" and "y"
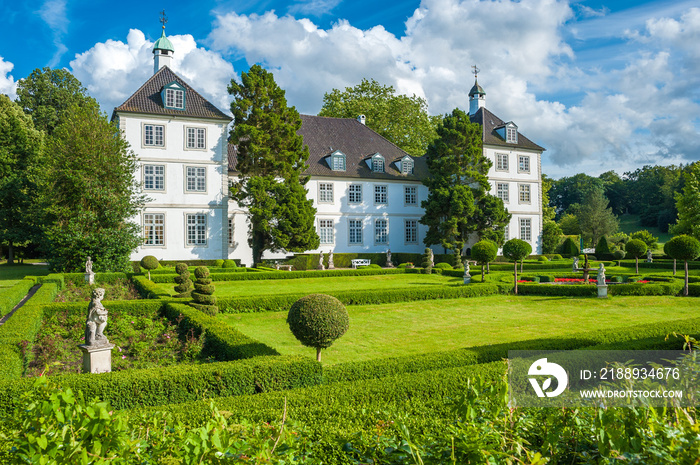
{"x": 402, "y": 119}
{"x": 458, "y": 203}
{"x": 516, "y": 249}
{"x": 270, "y": 162}
{"x": 688, "y": 204}
{"x": 21, "y": 148}
{"x": 595, "y": 218}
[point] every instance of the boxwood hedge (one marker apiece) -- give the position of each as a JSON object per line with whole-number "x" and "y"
{"x": 233, "y": 276}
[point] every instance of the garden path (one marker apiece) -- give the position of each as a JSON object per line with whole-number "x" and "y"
{"x": 29, "y": 295}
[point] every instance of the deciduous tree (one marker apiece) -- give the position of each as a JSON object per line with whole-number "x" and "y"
{"x": 636, "y": 248}
{"x": 271, "y": 159}
{"x": 516, "y": 249}
{"x": 402, "y": 119}
{"x": 684, "y": 248}
{"x": 688, "y": 204}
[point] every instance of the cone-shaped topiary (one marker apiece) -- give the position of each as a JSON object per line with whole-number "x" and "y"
{"x": 203, "y": 300}
{"x": 569, "y": 248}
{"x": 184, "y": 283}
{"x": 317, "y": 320}
{"x": 427, "y": 262}
{"x": 602, "y": 249}
{"x": 149, "y": 262}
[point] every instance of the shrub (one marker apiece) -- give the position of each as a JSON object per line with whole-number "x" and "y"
{"x": 516, "y": 249}
{"x": 636, "y": 248}
{"x": 219, "y": 263}
{"x": 602, "y": 249}
{"x": 646, "y": 237}
{"x": 484, "y": 252}
{"x": 619, "y": 254}
{"x": 229, "y": 264}
{"x": 569, "y": 248}
{"x": 203, "y": 300}
{"x": 443, "y": 266}
{"x": 184, "y": 283}
{"x": 543, "y": 259}
{"x": 684, "y": 248}
{"x": 149, "y": 262}
{"x": 317, "y": 320}
{"x": 426, "y": 263}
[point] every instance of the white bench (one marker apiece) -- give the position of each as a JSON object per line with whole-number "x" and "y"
{"x": 284, "y": 267}
{"x": 361, "y": 262}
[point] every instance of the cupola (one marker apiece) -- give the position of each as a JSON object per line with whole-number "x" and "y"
{"x": 163, "y": 49}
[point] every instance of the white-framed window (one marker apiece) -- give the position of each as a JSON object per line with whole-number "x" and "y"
{"x": 523, "y": 164}
{"x": 355, "y": 193}
{"x": 196, "y": 179}
{"x": 154, "y": 177}
{"x": 409, "y": 195}
{"x": 378, "y": 164}
{"x": 501, "y": 162}
{"x": 325, "y": 231}
{"x": 411, "y": 231}
{"x": 196, "y": 138}
{"x": 407, "y": 165}
{"x": 196, "y": 233}
{"x": 380, "y": 194}
{"x": 512, "y": 135}
{"x": 153, "y": 229}
{"x": 524, "y": 193}
{"x": 381, "y": 231}
{"x": 526, "y": 229}
{"x": 325, "y": 192}
{"x": 175, "y": 98}
{"x": 154, "y": 135}
{"x": 338, "y": 162}
{"x": 502, "y": 191}
{"x": 355, "y": 232}
{"x": 231, "y": 224}
{"x": 506, "y": 234}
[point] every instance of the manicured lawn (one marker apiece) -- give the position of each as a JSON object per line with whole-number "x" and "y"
{"x": 312, "y": 285}
{"x": 378, "y": 331}
{"x": 11, "y": 274}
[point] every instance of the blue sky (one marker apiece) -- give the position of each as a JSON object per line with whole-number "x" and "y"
{"x": 601, "y": 84}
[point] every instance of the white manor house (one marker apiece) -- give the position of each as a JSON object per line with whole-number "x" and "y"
{"x": 367, "y": 191}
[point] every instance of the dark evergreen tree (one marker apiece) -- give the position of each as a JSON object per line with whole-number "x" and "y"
{"x": 458, "y": 203}
{"x": 602, "y": 249}
{"x": 270, "y": 162}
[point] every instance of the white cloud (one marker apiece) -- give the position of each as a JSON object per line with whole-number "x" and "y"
{"x": 53, "y": 13}
{"x": 8, "y": 85}
{"x": 113, "y": 70}
{"x": 313, "y": 7}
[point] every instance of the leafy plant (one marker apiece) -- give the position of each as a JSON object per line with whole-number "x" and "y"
{"x": 317, "y": 320}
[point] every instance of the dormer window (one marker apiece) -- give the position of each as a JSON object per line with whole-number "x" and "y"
{"x": 377, "y": 163}
{"x": 511, "y": 133}
{"x": 337, "y": 161}
{"x": 173, "y": 96}
{"x": 407, "y": 165}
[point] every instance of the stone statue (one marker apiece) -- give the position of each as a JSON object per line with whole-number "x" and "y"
{"x": 88, "y": 266}
{"x": 466, "y": 268}
{"x": 89, "y": 275}
{"x": 432, "y": 258}
{"x": 575, "y": 263}
{"x": 331, "y": 265}
{"x": 320, "y": 261}
{"x": 649, "y": 259}
{"x": 601, "y": 275}
{"x": 96, "y": 320}
{"x": 388, "y": 259}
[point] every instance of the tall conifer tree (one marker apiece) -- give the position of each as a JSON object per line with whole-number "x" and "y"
{"x": 271, "y": 158}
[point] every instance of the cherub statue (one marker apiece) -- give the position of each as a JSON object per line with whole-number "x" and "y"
{"x": 320, "y": 261}
{"x": 575, "y": 263}
{"x": 96, "y": 320}
{"x": 388, "y": 259}
{"x": 601, "y": 275}
{"x": 331, "y": 265}
{"x": 88, "y": 266}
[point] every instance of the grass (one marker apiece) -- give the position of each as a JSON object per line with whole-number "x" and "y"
{"x": 630, "y": 224}
{"x": 314, "y": 285}
{"x": 379, "y": 331}
{"x": 11, "y": 274}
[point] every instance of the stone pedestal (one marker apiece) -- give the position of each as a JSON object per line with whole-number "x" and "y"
{"x": 97, "y": 359}
{"x": 603, "y": 291}
{"x": 90, "y": 278}
{"x": 467, "y": 278}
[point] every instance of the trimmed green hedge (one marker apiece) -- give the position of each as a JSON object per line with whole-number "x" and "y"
{"x": 148, "y": 289}
{"x": 23, "y": 326}
{"x": 275, "y": 303}
{"x": 170, "y": 278}
{"x": 11, "y": 296}
{"x": 223, "y": 342}
{"x": 100, "y": 278}
{"x": 180, "y": 383}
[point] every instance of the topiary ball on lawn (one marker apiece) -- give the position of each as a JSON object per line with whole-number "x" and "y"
{"x": 317, "y": 320}
{"x": 149, "y": 262}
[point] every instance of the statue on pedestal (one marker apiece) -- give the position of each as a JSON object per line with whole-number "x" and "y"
{"x": 601, "y": 275}
{"x": 331, "y": 265}
{"x": 389, "y": 264}
{"x": 649, "y": 259}
{"x": 88, "y": 266}
{"x": 96, "y": 320}
{"x": 575, "y": 264}
{"x": 89, "y": 275}
{"x": 320, "y": 261}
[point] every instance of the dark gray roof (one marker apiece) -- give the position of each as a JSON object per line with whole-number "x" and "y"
{"x": 490, "y": 122}
{"x": 148, "y": 100}
{"x": 325, "y": 135}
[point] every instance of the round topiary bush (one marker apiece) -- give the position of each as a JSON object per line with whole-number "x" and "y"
{"x": 230, "y": 264}
{"x": 636, "y": 248}
{"x": 203, "y": 300}
{"x": 149, "y": 262}
{"x": 543, "y": 259}
{"x": 516, "y": 249}
{"x": 619, "y": 254}
{"x": 184, "y": 283}
{"x": 443, "y": 266}
{"x": 683, "y": 248}
{"x": 219, "y": 263}
{"x": 317, "y": 320}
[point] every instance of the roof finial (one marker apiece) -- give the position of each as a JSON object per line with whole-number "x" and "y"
{"x": 163, "y": 18}
{"x": 475, "y": 71}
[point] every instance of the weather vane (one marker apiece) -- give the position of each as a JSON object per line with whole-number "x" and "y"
{"x": 475, "y": 71}
{"x": 163, "y": 18}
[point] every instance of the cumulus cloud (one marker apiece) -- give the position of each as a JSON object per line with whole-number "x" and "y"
{"x": 113, "y": 70}
{"x": 8, "y": 86}
{"x": 313, "y": 7}
{"x": 53, "y": 13}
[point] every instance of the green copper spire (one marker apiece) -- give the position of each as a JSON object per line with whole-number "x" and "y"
{"x": 163, "y": 43}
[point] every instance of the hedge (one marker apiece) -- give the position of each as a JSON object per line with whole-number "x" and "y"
{"x": 100, "y": 278}
{"x": 170, "y": 278}
{"x": 180, "y": 383}
{"x": 11, "y": 296}
{"x": 147, "y": 289}
{"x": 221, "y": 341}
{"x": 275, "y": 303}
{"x": 171, "y": 270}
{"x": 23, "y": 326}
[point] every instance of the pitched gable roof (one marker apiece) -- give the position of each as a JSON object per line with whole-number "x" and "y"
{"x": 490, "y": 122}
{"x": 325, "y": 136}
{"x": 148, "y": 99}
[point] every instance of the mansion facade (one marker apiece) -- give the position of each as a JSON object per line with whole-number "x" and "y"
{"x": 367, "y": 191}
